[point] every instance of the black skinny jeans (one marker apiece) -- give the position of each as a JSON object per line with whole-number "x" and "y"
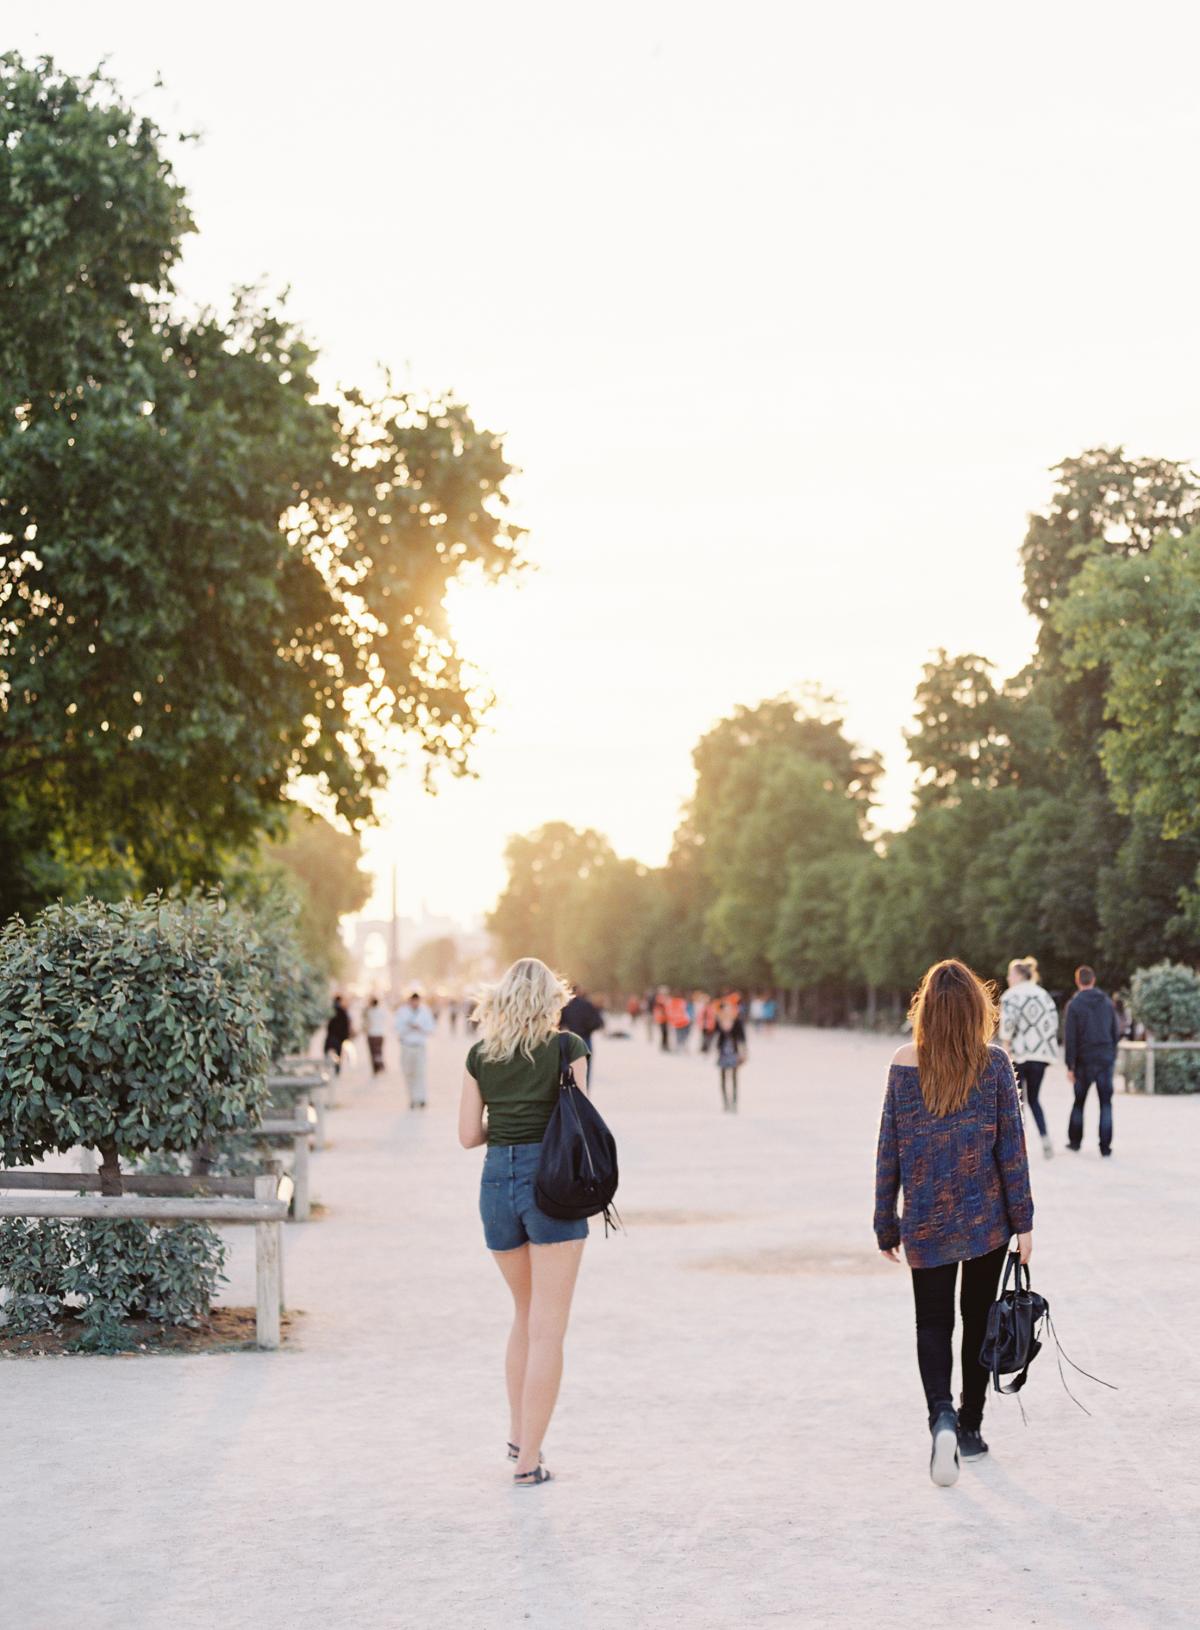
{"x": 1029, "y": 1078}
{"x": 933, "y": 1293}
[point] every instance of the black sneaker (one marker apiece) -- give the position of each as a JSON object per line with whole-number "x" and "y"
{"x": 943, "y": 1460}
{"x": 970, "y": 1443}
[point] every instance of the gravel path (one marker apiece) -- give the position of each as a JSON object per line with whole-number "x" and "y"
{"x": 741, "y": 1437}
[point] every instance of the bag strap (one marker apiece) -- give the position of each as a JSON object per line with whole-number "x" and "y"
{"x": 566, "y": 1076}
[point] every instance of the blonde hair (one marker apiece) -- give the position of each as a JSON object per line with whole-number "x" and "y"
{"x": 1026, "y": 966}
{"x": 522, "y": 1011}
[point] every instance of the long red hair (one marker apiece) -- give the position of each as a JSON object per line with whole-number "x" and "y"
{"x": 953, "y": 1016}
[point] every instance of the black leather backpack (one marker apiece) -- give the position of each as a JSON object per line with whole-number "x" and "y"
{"x": 577, "y": 1171}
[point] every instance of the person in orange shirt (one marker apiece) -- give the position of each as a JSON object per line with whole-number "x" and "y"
{"x": 662, "y": 1018}
{"x": 679, "y": 1018}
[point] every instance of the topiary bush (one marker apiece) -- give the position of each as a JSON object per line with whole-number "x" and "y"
{"x": 1166, "y": 1000}
{"x": 138, "y": 1029}
{"x": 293, "y": 991}
{"x": 107, "y": 1273}
{"x": 129, "y": 1028}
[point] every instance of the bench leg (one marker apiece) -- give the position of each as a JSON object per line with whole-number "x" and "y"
{"x": 301, "y": 1201}
{"x": 268, "y": 1272}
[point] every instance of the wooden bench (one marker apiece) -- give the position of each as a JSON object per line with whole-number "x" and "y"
{"x": 264, "y": 1208}
{"x": 300, "y": 1094}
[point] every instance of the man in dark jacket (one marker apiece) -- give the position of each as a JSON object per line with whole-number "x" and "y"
{"x": 584, "y": 1018}
{"x": 1091, "y": 1046}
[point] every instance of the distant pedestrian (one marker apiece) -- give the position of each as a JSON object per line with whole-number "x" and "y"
{"x": 662, "y": 1019}
{"x": 512, "y": 1071}
{"x": 376, "y": 1028}
{"x": 1029, "y": 1030}
{"x": 583, "y": 1018}
{"x": 770, "y": 1012}
{"x": 708, "y": 1023}
{"x": 757, "y": 1014}
{"x": 729, "y": 1037}
{"x": 452, "y": 1015}
{"x": 414, "y": 1026}
{"x": 337, "y": 1033}
{"x": 1092, "y": 1034}
{"x": 952, "y": 1138}
{"x": 679, "y": 1019}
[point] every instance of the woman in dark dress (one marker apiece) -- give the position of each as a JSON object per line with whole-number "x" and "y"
{"x": 953, "y": 1138}
{"x": 729, "y": 1038}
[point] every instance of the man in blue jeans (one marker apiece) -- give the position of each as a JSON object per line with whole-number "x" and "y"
{"x": 1092, "y": 1033}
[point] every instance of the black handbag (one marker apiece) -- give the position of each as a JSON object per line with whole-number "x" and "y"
{"x": 1011, "y": 1343}
{"x": 1017, "y": 1322}
{"x": 577, "y": 1170}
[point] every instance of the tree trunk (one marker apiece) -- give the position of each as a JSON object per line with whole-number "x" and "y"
{"x": 202, "y": 1160}
{"x": 110, "y": 1167}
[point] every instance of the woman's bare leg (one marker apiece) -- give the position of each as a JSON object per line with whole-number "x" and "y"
{"x": 514, "y": 1265}
{"x": 553, "y": 1272}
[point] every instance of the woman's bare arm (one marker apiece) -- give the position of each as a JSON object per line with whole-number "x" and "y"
{"x": 471, "y": 1130}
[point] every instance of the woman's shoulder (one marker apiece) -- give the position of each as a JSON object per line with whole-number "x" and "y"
{"x": 905, "y": 1057}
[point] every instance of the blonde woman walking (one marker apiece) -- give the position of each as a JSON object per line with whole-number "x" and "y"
{"x": 1029, "y": 1030}
{"x": 511, "y": 1079}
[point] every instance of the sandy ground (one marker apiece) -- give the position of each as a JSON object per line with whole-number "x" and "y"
{"x": 741, "y": 1436}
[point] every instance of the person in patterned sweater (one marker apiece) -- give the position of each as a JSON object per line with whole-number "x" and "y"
{"x": 952, "y": 1137}
{"x": 1029, "y": 1031}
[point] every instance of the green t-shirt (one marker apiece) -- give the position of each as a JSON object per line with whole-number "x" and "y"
{"x": 520, "y": 1092}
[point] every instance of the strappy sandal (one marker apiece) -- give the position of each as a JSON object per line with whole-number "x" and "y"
{"x": 528, "y": 1480}
{"x": 514, "y": 1453}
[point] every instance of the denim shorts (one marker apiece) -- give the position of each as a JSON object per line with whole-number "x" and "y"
{"x": 511, "y": 1216}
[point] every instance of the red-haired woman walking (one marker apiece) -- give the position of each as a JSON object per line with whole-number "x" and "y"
{"x": 952, "y": 1137}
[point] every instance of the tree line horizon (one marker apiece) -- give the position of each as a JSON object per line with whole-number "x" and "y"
{"x": 1056, "y": 812}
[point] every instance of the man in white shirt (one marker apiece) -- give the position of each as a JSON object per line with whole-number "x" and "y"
{"x": 414, "y": 1026}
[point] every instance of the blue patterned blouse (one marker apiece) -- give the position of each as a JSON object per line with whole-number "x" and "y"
{"x": 965, "y": 1176}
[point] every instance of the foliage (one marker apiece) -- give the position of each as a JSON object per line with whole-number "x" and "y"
{"x": 292, "y": 989}
{"x": 113, "y": 1270}
{"x": 531, "y": 917}
{"x": 1038, "y": 828}
{"x": 212, "y": 583}
{"x": 324, "y": 864}
{"x": 1166, "y": 999}
{"x": 129, "y": 1028}
{"x": 1140, "y": 618}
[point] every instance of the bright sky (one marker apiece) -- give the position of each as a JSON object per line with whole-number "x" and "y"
{"x": 786, "y": 310}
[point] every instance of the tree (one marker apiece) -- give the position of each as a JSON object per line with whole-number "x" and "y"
{"x": 129, "y": 1028}
{"x": 971, "y": 731}
{"x": 212, "y": 583}
{"x": 322, "y": 865}
{"x": 1138, "y": 622}
{"x": 779, "y": 813}
{"x": 530, "y": 918}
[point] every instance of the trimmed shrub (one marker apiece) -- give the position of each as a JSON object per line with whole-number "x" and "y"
{"x": 138, "y": 1029}
{"x": 129, "y": 1028}
{"x": 1166, "y": 999}
{"x": 107, "y": 1272}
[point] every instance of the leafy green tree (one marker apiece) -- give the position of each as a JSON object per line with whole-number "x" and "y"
{"x": 129, "y": 1028}
{"x": 531, "y": 917}
{"x": 811, "y": 946}
{"x": 1138, "y": 621}
{"x": 780, "y": 812}
{"x": 212, "y": 582}
{"x": 321, "y": 865}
